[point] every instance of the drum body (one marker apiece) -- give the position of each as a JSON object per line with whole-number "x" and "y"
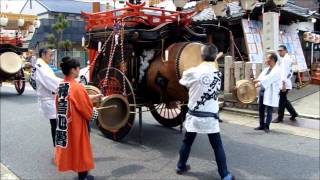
{"x": 163, "y": 74}
{"x": 10, "y": 64}
{"x": 245, "y": 92}
{"x": 92, "y": 90}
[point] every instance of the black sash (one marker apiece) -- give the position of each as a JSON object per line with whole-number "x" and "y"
{"x": 203, "y": 114}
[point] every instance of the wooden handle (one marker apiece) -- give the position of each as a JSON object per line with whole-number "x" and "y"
{"x": 107, "y": 107}
{"x": 218, "y": 56}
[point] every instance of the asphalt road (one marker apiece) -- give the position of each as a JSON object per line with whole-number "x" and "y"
{"x": 26, "y": 149}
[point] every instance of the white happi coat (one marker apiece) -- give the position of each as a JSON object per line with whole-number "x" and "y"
{"x": 203, "y": 82}
{"x": 271, "y": 84}
{"x": 285, "y": 64}
{"x": 47, "y": 86}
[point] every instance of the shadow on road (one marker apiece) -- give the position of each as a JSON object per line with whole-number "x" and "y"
{"x": 28, "y": 97}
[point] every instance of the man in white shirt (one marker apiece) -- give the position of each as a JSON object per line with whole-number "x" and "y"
{"x": 285, "y": 64}
{"x": 203, "y": 82}
{"x": 46, "y": 86}
{"x": 268, "y": 81}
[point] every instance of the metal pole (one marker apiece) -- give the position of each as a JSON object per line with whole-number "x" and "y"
{"x": 312, "y": 44}
{"x": 232, "y": 44}
{"x": 140, "y": 124}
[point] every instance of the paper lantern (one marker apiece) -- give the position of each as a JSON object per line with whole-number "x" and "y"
{"x": 248, "y": 5}
{"x": 31, "y": 29}
{"x": 280, "y": 2}
{"x": 317, "y": 39}
{"x": 3, "y": 21}
{"x": 180, "y": 3}
{"x": 220, "y": 9}
{"x": 312, "y": 38}
{"x": 36, "y": 23}
{"x": 20, "y": 22}
{"x": 83, "y": 41}
{"x": 99, "y": 46}
{"x": 306, "y": 36}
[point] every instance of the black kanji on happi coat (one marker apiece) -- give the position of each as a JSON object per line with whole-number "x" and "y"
{"x": 212, "y": 92}
{"x": 62, "y": 122}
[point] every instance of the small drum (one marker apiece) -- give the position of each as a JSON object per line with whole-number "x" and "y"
{"x": 10, "y": 64}
{"x": 245, "y": 92}
{"x": 92, "y": 90}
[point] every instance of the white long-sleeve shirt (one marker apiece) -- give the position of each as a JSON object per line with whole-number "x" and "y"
{"x": 285, "y": 64}
{"x": 203, "y": 82}
{"x": 270, "y": 83}
{"x": 47, "y": 86}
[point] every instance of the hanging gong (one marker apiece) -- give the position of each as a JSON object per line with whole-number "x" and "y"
{"x": 92, "y": 90}
{"x": 115, "y": 117}
{"x": 245, "y": 92}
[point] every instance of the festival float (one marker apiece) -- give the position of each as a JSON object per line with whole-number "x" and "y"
{"x": 138, "y": 53}
{"x": 14, "y": 31}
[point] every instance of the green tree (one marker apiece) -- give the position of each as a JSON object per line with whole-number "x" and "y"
{"x": 66, "y": 45}
{"x": 56, "y": 39}
{"x": 51, "y": 41}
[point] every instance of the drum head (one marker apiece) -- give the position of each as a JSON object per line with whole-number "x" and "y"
{"x": 10, "y": 62}
{"x": 92, "y": 90}
{"x": 189, "y": 56}
{"x": 115, "y": 116}
{"x": 245, "y": 91}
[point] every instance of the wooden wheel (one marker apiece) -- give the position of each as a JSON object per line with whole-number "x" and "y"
{"x": 169, "y": 114}
{"x": 112, "y": 88}
{"x": 19, "y": 82}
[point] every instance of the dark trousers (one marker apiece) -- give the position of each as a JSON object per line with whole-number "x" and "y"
{"x": 216, "y": 143}
{"x": 82, "y": 175}
{"x": 284, "y": 103}
{"x": 262, "y": 108}
{"x": 53, "y": 123}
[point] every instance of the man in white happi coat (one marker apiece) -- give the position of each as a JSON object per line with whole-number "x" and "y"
{"x": 285, "y": 63}
{"x": 203, "y": 82}
{"x": 46, "y": 87}
{"x": 268, "y": 81}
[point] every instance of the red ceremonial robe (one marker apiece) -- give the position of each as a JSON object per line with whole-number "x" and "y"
{"x": 74, "y": 110}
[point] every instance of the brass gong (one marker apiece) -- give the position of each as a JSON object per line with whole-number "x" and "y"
{"x": 116, "y": 113}
{"x": 245, "y": 92}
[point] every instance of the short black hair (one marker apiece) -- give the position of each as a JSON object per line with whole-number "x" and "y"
{"x": 43, "y": 51}
{"x": 283, "y": 47}
{"x": 209, "y": 52}
{"x": 273, "y": 56}
{"x": 68, "y": 63}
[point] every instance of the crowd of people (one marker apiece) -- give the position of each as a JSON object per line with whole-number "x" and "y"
{"x": 68, "y": 107}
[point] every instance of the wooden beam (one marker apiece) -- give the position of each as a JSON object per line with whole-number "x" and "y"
{"x": 15, "y": 17}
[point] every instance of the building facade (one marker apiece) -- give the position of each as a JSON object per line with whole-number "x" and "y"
{"x": 48, "y": 12}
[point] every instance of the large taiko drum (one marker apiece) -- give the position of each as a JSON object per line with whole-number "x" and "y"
{"x": 163, "y": 74}
{"x": 245, "y": 92}
{"x": 10, "y": 64}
